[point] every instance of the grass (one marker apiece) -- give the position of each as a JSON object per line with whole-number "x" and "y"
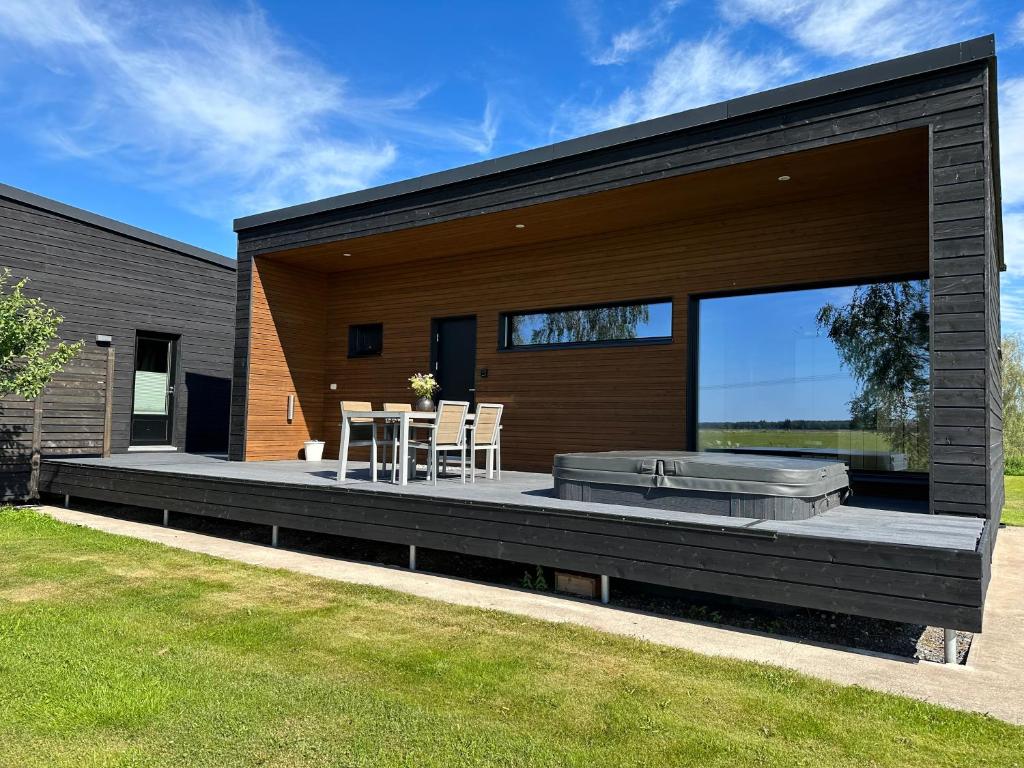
{"x": 1013, "y": 510}
{"x": 832, "y": 439}
{"x": 117, "y": 652}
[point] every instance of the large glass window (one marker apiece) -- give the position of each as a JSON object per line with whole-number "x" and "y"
{"x": 634, "y": 322}
{"x": 831, "y": 372}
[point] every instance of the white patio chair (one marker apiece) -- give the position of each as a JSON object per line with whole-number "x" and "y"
{"x": 362, "y": 433}
{"x": 485, "y": 435}
{"x": 447, "y": 434}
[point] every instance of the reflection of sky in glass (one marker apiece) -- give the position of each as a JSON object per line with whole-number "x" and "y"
{"x": 762, "y": 357}
{"x": 658, "y": 324}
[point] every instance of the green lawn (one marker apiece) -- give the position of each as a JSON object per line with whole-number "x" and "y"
{"x": 795, "y": 438}
{"x": 117, "y": 652}
{"x": 1013, "y": 511}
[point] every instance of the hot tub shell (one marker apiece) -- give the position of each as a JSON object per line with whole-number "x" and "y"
{"x": 760, "y": 487}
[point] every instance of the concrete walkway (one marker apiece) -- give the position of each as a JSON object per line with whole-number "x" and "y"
{"x": 992, "y": 681}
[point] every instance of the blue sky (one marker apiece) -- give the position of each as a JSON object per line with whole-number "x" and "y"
{"x": 178, "y": 117}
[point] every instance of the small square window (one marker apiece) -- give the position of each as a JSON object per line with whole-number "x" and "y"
{"x": 365, "y": 340}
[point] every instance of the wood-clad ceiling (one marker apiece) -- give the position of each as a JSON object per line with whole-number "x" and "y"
{"x": 840, "y": 169}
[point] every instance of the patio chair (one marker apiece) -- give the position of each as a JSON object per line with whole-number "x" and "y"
{"x": 363, "y": 433}
{"x": 485, "y": 435}
{"x": 390, "y": 437}
{"x": 447, "y": 434}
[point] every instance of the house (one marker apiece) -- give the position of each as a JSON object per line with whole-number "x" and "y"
{"x": 158, "y": 311}
{"x": 748, "y": 276}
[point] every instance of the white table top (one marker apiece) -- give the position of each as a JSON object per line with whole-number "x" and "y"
{"x": 421, "y": 415}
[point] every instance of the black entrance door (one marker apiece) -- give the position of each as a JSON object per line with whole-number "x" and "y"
{"x": 454, "y": 357}
{"x": 153, "y": 392}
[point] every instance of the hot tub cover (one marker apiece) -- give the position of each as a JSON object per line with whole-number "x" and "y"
{"x": 718, "y": 472}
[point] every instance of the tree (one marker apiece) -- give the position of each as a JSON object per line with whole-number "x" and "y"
{"x": 595, "y": 324}
{"x": 1013, "y": 402}
{"x": 28, "y": 357}
{"x": 882, "y": 338}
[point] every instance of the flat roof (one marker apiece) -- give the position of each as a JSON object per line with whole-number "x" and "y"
{"x": 112, "y": 225}
{"x": 978, "y": 49}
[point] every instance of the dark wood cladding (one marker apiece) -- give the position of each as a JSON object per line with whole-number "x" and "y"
{"x": 107, "y": 283}
{"x": 952, "y": 106}
{"x": 928, "y": 585}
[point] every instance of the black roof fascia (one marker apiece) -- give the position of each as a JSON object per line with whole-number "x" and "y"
{"x": 112, "y": 225}
{"x": 978, "y": 49}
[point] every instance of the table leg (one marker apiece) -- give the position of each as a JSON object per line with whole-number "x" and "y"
{"x": 403, "y": 468}
{"x": 343, "y": 455}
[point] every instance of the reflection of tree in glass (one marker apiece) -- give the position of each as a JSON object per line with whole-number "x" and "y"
{"x": 882, "y": 338}
{"x": 596, "y": 324}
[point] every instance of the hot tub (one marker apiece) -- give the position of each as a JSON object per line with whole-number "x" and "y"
{"x": 762, "y": 487}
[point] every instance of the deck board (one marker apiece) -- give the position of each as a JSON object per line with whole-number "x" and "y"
{"x": 866, "y": 558}
{"x": 875, "y": 523}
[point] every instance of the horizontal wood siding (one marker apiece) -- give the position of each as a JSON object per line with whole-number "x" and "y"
{"x": 930, "y": 585}
{"x": 70, "y": 421}
{"x": 104, "y": 282}
{"x": 966, "y": 433}
{"x": 630, "y": 397}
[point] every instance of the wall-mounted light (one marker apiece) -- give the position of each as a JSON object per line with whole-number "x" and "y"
{"x": 104, "y": 340}
{"x": 291, "y": 408}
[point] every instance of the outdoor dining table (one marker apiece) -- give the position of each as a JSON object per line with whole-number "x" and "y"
{"x": 404, "y": 419}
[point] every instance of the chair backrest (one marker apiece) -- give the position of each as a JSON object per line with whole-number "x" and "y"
{"x": 487, "y": 423}
{"x": 397, "y": 407}
{"x": 451, "y": 422}
{"x": 356, "y": 405}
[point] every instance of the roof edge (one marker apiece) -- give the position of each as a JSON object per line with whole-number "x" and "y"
{"x": 976, "y": 49}
{"x": 113, "y": 225}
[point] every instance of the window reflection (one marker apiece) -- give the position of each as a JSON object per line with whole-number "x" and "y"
{"x": 590, "y": 325}
{"x": 831, "y": 372}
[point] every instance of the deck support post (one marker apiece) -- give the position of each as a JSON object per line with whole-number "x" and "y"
{"x": 605, "y": 589}
{"x": 67, "y": 500}
{"x": 273, "y": 535}
{"x": 412, "y": 557}
{"x": 949, "y": 643}
{"x": 167, "y": 518}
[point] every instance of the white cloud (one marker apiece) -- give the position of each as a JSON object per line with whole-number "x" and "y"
{"x": 691, "y": 74}
{"x": 627, "y": 43}
{"x": 216, "y": 105}
{"x": 1013, "y": 242}
{"x": 868, "y": 30}
{"x": 1017, "y": 30}
{"x": 1011, "y": 140}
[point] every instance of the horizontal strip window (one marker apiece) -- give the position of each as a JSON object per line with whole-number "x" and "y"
{"x": 365, "y": 340}
{"x": 635, "y": 322}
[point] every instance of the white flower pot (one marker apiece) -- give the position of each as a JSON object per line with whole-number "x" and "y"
{"x": 314, "y": 450}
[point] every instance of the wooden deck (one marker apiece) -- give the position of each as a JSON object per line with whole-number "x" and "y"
{"x": 871, "y": 559}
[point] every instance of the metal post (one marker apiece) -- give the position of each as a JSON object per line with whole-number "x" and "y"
{"x": 412, "y": 557}
{"x": 167, "y": 517}
{"x": 949, "y": 641}
{"x": 273, "y": 535}
{"x": 605, "y": 589}
{"x": 67, "y": 500}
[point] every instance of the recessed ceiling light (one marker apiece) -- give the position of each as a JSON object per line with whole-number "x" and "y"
{"x": 346, "y": 254}
{"x": 520, "y": 226}
{"x": 783, "y": 178}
